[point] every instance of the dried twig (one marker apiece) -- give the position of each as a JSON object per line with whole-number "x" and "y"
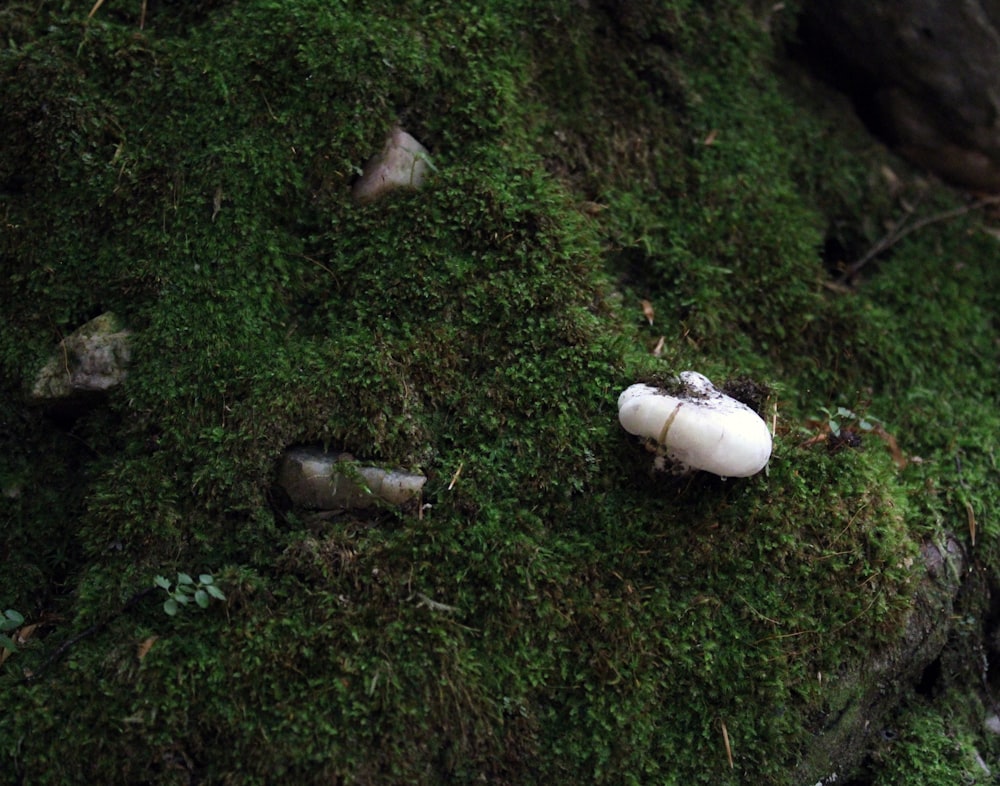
{"x": 434, "y": 605}
{"x": 725, "y": 739}
{"x": 902, "y": 229}
{"x": 96, "y": 628}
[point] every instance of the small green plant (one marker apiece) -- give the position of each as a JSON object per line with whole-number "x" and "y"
{"x": 844, "y": 429}
{"x": 186, "y": 589}
{"x": 846, "y": 419}
{"x": 9, "y": 620}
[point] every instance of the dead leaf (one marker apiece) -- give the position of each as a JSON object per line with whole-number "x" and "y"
{"x": 217, "y": 202}
{"x": 146, "y": 646}
{"x": 19, "y": 637}
{"x": 892, "y": 180}
{"x": 658, "y": 349}
{"x": 25, "y": 633}
{"x": 647, "y": 309}
{"x": 712, "y": 136}
{"x": 972, "y": 522}
{"x": 592, "y": 208}
{"x": 890, "y": 441}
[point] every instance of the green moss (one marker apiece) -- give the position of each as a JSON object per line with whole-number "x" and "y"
{"x": 554, "y": 610}
{"x": 925, "y": 748}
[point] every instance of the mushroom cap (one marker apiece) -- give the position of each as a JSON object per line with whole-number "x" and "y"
{"x": 700, "y": 427}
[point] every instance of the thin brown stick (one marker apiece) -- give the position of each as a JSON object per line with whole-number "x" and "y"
{"x": 725, "y": 739}
{"x": 903, "y": 230}
{"x": 317, "y": 263}
{"x": 885, "y": 242}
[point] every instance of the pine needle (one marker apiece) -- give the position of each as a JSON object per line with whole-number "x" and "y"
{"x": 725, "y": 739}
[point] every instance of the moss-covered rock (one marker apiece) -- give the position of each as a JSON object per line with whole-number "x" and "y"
{"x": 91, "y": 360}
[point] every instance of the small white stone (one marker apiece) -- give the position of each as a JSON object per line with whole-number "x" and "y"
{"x": 317, "y": 480}
{"x": 402, "y": 163}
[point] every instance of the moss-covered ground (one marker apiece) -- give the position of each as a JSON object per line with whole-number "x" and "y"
{"x": 554, "y": 612}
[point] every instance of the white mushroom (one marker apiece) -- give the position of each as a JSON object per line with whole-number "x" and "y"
{"x": 699, "y": 427}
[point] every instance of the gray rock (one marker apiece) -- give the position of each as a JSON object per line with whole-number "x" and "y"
{"x": 318, "y": 480}
{"x": 929, "y": 71}
{"x": 402, "y": 163}
{"x": 90, "y": 360}
{"x": 862, "y": 697}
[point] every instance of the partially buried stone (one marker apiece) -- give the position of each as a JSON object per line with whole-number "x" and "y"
{"x": 318, "y": 480}
{"x": 92, "y": 359}
{"x": 402, "y": 163}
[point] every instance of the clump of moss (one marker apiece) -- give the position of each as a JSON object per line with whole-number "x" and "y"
{"x": 923, "y": 747}
{"x": 551, "y": 610}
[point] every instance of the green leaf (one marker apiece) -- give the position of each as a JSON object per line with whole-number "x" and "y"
{"x": 162, "y": 583}
{"x": 170, "y": 606}
{"x": 215, "y": 592}
{"x": 422, "y": 156}
{"x": 11, "y": 620}
{"x": 201, "y": 598}
{"x": 7, "y": 643}
{"x": 184, "y": 578}
{"x": 206, "y": 578}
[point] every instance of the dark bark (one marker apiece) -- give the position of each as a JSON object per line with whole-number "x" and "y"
{"x": 924, "y": 73}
